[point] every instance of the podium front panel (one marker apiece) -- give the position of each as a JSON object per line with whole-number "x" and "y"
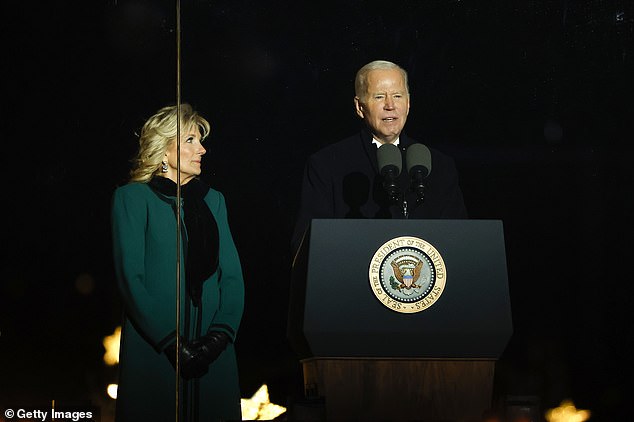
{"x": 342, "y": 317}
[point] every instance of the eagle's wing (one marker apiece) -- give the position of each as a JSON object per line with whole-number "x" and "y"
{"x": 397, "y": 271}
{"x": 417, "y": 269}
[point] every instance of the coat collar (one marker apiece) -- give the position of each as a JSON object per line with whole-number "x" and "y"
{"x": 166, "y": 188}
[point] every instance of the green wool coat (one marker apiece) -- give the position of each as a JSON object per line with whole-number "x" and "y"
{"x": 144, "y": 237}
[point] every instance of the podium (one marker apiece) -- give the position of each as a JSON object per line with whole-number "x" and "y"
{"x": 369, "y": 360}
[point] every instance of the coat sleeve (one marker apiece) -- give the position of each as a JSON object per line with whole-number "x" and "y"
{"x": 129, "y": 222}
{"x": 231, "y": 282}
{"x": 316, "y": 200}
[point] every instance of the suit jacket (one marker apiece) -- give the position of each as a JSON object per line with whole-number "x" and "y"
{"x": 342, "y": 181}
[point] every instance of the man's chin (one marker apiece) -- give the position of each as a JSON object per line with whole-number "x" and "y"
{"x": 389, "y": 138}
{"x": 391, "y": 133}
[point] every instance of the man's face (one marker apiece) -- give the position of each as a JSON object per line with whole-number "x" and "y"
{"x": 385, "y": 105}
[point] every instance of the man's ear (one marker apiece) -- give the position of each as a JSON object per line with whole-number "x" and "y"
{"x": 358, "y": 106}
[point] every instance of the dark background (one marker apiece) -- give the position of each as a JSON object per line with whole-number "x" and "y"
{"x": 533, "y": 99}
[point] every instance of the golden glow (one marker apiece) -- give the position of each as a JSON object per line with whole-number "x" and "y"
{"x": 111, "y": 344}
{"x": 259, "y": 408}
{"x": 112, "y": 390}
{"x": 567, "y": 412}
{"x": 85, "y": 283}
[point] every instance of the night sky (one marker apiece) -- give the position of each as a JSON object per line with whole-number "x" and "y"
{"x": 533, "y": 99}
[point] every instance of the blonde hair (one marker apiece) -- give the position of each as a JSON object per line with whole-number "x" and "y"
{"x": 361, "y": 80}
{"x": 158, "y": 132}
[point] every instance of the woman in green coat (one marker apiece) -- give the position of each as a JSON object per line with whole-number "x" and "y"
{"x": 212, "y": 289}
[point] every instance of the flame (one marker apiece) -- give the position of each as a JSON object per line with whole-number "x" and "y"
{"x": 567, "y": 412}
{"x": 259, "y": 408}
{"x": 112, "y": 390}
{"x": 111, "y": 344}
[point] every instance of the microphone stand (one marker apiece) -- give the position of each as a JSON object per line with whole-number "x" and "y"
{"x": 390, "y": 174}
{"x": 393, "y": 192}
{"x": 418, "y": 186}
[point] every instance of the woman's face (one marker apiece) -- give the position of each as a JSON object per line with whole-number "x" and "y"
{"x": 192, "y": 152}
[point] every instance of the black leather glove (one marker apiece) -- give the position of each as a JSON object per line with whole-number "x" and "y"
{"x": 192, "y": 361}
{"x": 211, "y": 345}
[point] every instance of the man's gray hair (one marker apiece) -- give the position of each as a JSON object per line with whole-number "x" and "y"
{"x": 361, "y": 80}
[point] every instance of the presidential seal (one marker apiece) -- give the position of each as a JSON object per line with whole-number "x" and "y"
{"x": 407, "y": 274}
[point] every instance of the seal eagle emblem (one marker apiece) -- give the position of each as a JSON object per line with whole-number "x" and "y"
{"x": 407, "y": 274}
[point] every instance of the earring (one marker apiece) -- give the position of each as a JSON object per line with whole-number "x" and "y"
{"x": 163, "y": 167}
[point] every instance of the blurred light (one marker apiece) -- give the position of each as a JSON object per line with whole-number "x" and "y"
{"x": 259, "y": 408}
{"x": 112, "y": 390}
{"x": 85, "y": 283}
{"x": 567, "y": 412}
{"x": 111, "y": 344}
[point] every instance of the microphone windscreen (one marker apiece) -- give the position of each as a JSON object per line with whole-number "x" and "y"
{"x": 418, "y": 155}
{"x": 389, "y": 155}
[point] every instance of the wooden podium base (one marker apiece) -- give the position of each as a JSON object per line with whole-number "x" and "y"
{"x": 401, "y": 389}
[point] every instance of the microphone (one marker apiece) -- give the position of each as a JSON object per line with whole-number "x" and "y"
{"x": 418, "y": 158}
{"x": 390, "y": 163}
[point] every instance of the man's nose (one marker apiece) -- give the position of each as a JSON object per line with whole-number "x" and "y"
{"x": 389, "y": 103}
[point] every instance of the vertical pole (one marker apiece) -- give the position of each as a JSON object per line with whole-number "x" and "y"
{"x": 178, "y": 204}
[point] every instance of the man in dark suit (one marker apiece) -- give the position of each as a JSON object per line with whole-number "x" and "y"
{"x": 343, "y": 181}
